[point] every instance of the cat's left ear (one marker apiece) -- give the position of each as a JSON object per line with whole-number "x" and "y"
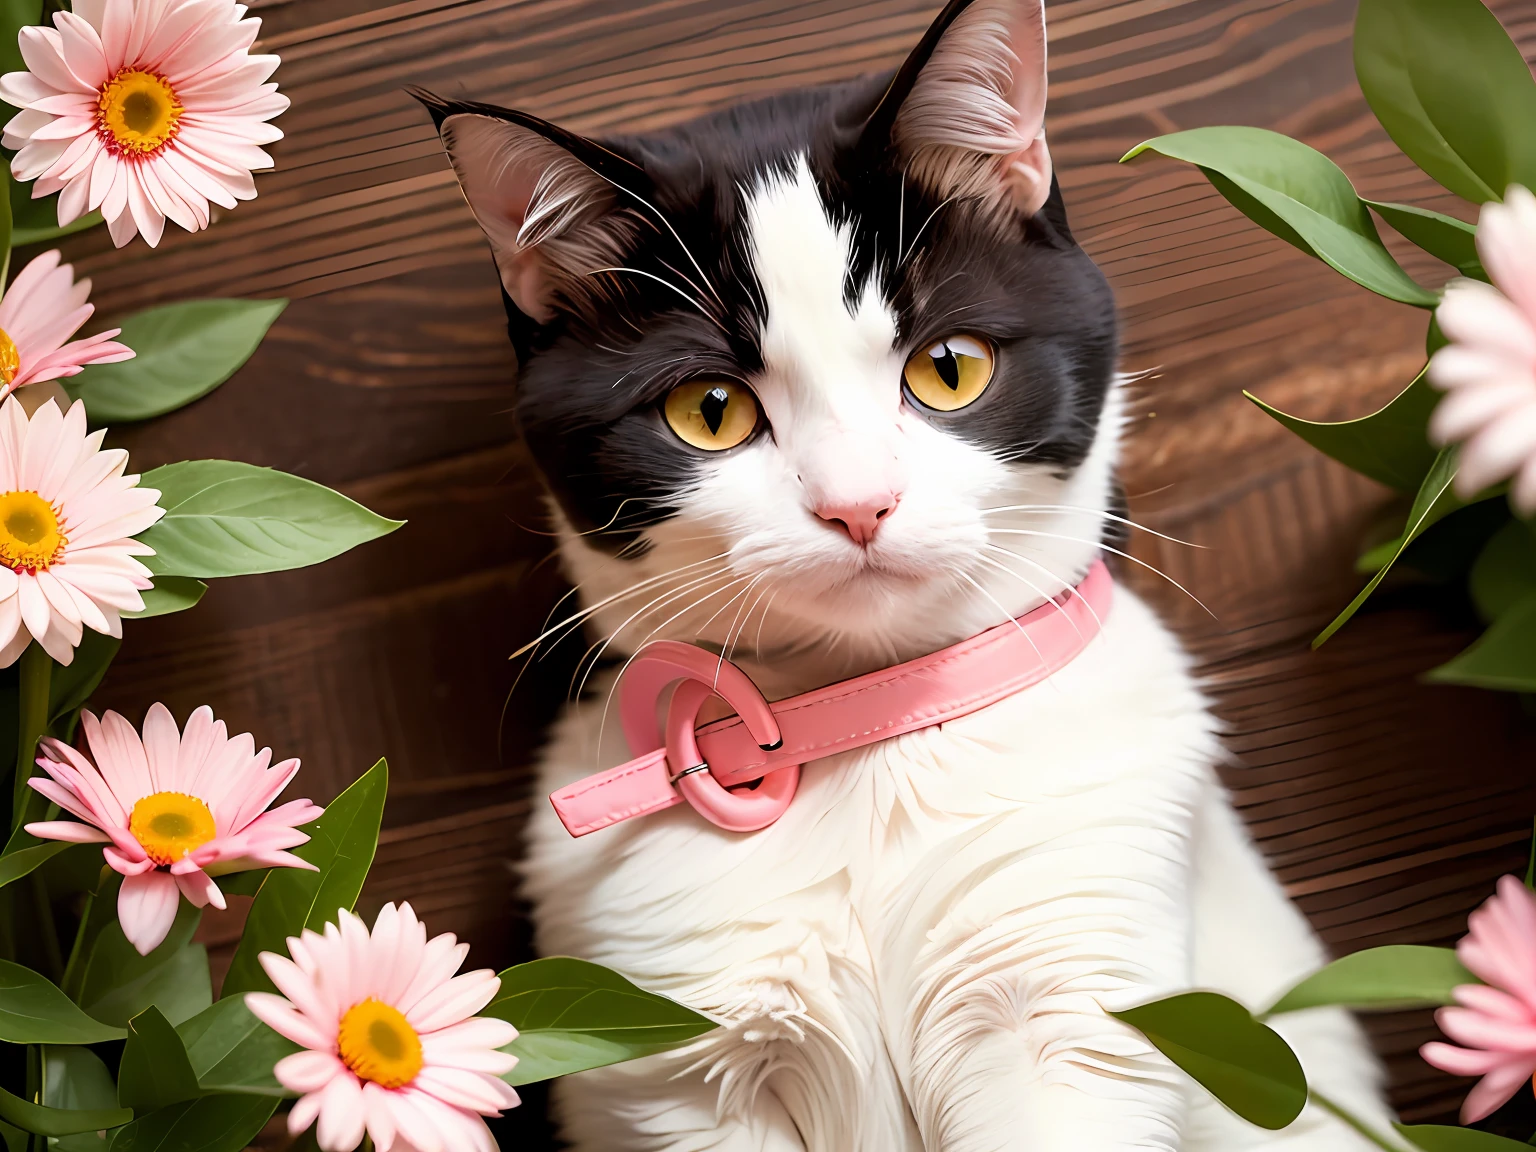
{"x": 966, "y": 111}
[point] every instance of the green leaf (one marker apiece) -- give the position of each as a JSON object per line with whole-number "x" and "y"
{"x": 14, "y": 16}
{"x": 246, "y": 883}
{"x": 232, "y": 1051}
{"x": 1451, "y": 89}
{"x": 1240, "y": 1061}
{"x": 1298, "y": 194}
{"x": 13, "y": 1139}
{"x": 341, "y": 846}
{"x": 76, "y": 1078}
{"x": 34, "y": 1011}
{"x": 184, "y": 351}
{"x": 170, "y": 594}
{"x": 1446, "y": 238}
{"x": 71, "y": 687}
{"x": 1503, "y": 574}
{"x": 1436, "y": 1138}
{"x": 155, "y": 1072}
{"x": 225, "y": 518}
{"x": 208, "y": 1124}
{"x": 1396, "y": 976}
{"x": 30, "y": 1117}
{"x": 23, "y": 861}
{"x": 1434, "y": 502}
{"x": 572, "y": 1015}
{"x": 37, "y": 221}
{"x": 1391, "y": 445}
{"x": 119, "y": 983}
{"x": 1503, "y": 658}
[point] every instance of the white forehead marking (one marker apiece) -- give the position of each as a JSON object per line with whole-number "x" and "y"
{"x": 801, "y": 259}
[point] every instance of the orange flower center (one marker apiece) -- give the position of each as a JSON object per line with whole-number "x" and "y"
{"x": 30, "y": 538}
{"x": 138, "y": 112}
{"x": 379, "y": 1044}
{"x": 10, "y": 358}
{"x": 169, "y": 825}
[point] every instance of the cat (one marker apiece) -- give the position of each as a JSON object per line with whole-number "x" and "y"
{"x": 823, "y": 382}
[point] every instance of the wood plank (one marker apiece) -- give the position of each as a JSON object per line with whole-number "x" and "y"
{"x": 1387, "y": 806}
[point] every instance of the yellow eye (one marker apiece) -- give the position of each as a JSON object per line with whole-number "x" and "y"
{"x": 951, "y": 373}
{"x": 712, "y": 414}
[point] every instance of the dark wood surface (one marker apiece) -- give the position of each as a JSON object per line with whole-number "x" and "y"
{"x": 1387, "y": 807}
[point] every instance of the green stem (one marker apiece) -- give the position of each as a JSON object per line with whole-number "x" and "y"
{"x": 36, "y": 672}
{"x": 46, "y": 928}
{"x": 1354, "y": 1122}
{"x": 77, "y": 949}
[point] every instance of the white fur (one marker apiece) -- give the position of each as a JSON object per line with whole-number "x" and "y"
{"x": 920, "y": 953}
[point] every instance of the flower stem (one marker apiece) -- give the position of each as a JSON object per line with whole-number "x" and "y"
{"x": 36, "y": 674}
{"x": 1354, "y": 1122}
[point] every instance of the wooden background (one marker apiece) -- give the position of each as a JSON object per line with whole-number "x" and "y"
{"x": 1386, "y": 806}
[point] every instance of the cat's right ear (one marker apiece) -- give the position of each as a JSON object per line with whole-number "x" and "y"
{"x": 965, "y": 113}
{"x": 551, "y": 203}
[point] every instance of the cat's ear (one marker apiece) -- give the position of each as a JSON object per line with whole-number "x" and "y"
{"x": 552, "y": 203}
{"x": 965, "y": 114}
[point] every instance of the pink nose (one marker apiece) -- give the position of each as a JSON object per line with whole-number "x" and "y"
{"x": 859, "y": 518}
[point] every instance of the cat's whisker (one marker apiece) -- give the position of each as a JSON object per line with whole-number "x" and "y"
{"x": 733, "y": 635}
{"x": 1116, "y": 551}
{"x": 644, "y": 640}
{"x": 1069, "y": 587}
{"x": 704, "y": 312}
{"x": 668, "y": 225}
{"x": 757, "y": 641}
{"x": 577, "y": 619}
{"x": 1096, "y": 512}
{"x": 612, "y": 520}
{"x": 919, "y": 235}
{"x": 1045, "y": 597}
{"x": 639, "y": 586}
{"x": 1008, "y": 616}
{"x": 594, "y": 654}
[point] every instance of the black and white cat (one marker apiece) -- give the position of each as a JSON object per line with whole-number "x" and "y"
{"x": 825, "y": 382}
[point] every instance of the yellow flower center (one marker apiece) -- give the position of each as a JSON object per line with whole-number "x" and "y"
{"x": 171, "y": 824}
{"x": 30, "y": 538}
{"x": 10, "y": 358}
{"x": 138, "y": 112}
{"x": 378, "y": 1044}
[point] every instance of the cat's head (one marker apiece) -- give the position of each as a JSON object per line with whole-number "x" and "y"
{"x": 830, "y": 360}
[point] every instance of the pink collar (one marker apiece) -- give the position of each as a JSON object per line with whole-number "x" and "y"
{"x": 769, "y": 742}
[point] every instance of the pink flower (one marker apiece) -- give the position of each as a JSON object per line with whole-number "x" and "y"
{"x": 393, "y": 1044}
{"x": 1496, "y": 1020}
{"x": 1489, "y": 369}
{"x": 146, "y": 109}
{"x": 42, "y": 308}
{"x": 174, "y": 810}
{"x": 68, "y": 518}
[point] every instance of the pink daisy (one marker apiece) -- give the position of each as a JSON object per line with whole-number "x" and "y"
{"x": 1496, "y": 1020}
{"x": 42, "y": 308}
{"x": 1489, "y": 369}
{"x": 68, "y": 516}
{"x": 174, "y": 810}
{"x": 146, "y": 109}
{"x": 394, "y": 1048}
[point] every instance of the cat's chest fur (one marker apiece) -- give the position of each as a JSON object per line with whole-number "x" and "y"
{"x": 888, "y": 853}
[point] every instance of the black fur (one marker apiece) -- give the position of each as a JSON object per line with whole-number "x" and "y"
{"x": 591, "y": 382}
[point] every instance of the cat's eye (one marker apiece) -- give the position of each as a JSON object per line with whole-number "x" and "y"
{"x": 712, "y": 414}
{"x": 950, "y": 373}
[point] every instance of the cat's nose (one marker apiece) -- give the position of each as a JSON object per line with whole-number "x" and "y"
{"x": 860, "y": 519}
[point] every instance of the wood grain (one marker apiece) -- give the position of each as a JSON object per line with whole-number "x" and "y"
{"x": 1388, "y": 807}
